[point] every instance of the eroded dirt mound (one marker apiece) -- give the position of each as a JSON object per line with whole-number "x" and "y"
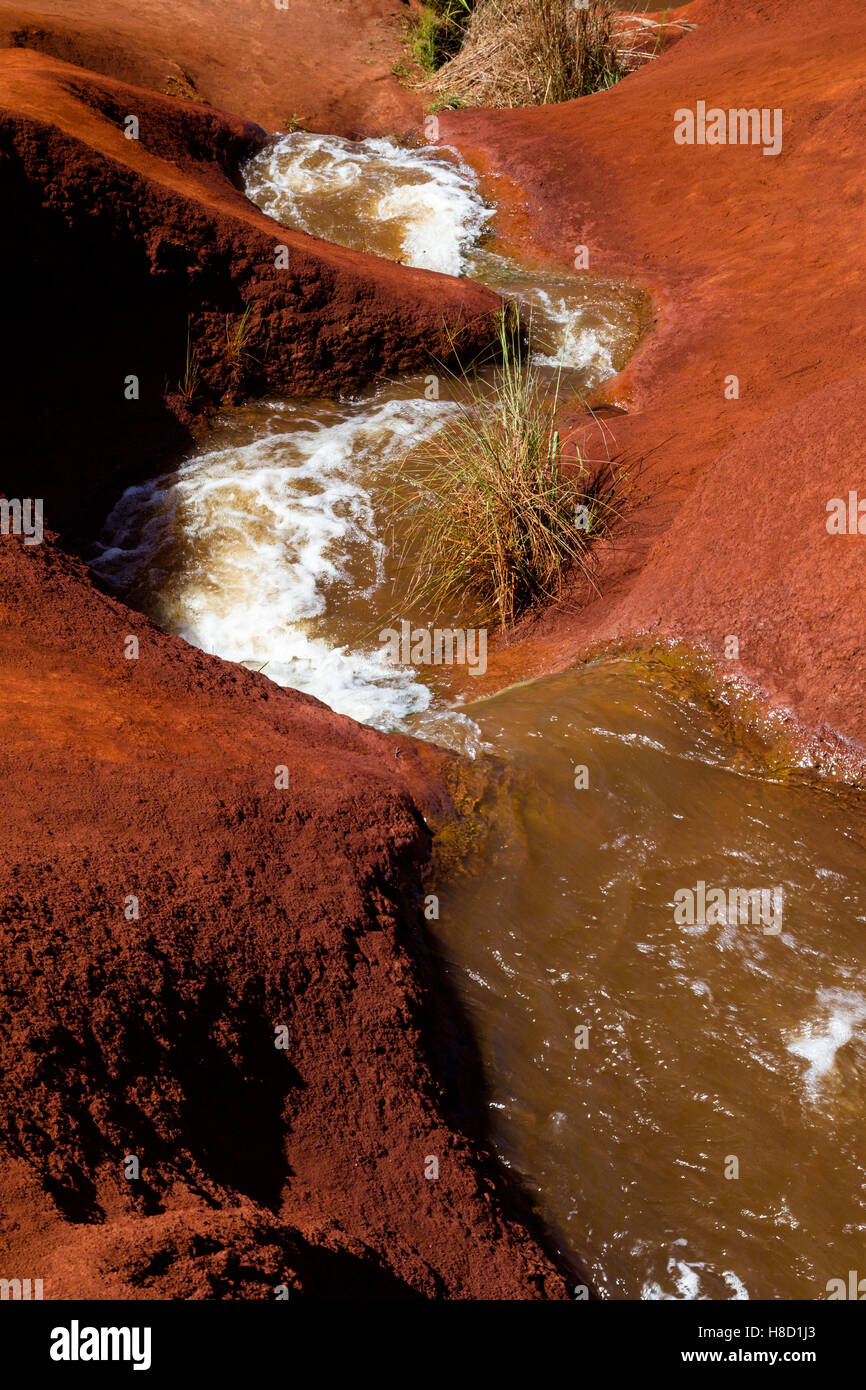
{"x": 222, "y": 977}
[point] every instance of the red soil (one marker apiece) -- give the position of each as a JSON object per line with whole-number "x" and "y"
{"x": 757, "y": 268}
{"x": 325, "y": 64}
{"x": 259, "y": 907}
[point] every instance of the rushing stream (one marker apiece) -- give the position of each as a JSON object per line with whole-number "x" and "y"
{"x": 708, "y": 1041}
{"x": 702, "y": 1138}
{"x": 267, "y": 546}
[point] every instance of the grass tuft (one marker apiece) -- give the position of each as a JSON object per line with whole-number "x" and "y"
{"x": 188, "y": 385}
{"x": 436, "y": 34}
{"x": 488, "y": 517}
{"x": 533, "y": 52}
{"x": 598, "y": 62}
{"x": 237, "y": 338}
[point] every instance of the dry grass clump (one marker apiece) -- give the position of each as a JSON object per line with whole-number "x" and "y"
{"x": 490, "y": 521}
{"x": 530, "y": 52}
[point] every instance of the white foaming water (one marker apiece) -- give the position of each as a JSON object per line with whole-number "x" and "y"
{"x": 843, "y": 1012}
{"x": 252, "y": 552}
{"x": 576, "y": 344}
{"x": 423, "y": 202}
{"x": 689, "y": 1285}
{"x": 245, "y": 548}
{"x": 423, "y": 207}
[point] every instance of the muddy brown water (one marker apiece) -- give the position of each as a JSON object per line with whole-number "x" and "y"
{"x": 702, "y": 1139}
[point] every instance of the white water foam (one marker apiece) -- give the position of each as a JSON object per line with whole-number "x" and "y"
{"x": 689, "y": 1282}
{"x": 842, "y": 1014}
{"x": 424, "y": 207}
{"x": 428, "y": 197}
{"x": 577, "y": 344}
{"x": 246, "y": 547}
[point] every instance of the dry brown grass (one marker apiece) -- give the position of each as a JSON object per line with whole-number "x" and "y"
{"x": 523, "y": 53}
{"x": 533, "y": 52}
